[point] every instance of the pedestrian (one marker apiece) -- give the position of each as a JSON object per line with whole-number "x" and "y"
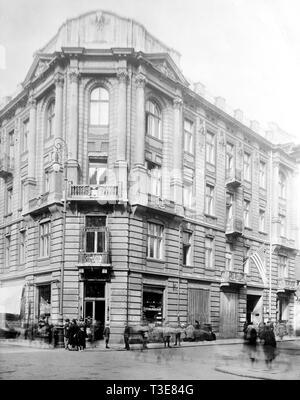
{"x": 67, "y": 333}
{"x": 251, "y": 343}
{"x": 269, "y": 346}
{"x": 178, "y": 336}
{"x": 245, "y": 329}
{"x": 73, "y": 335}
{"x": 81, "y": 335}
{"x": 166, "y": 334}
{"x": 106, "y": 334}
{"x": 126, "y": 336}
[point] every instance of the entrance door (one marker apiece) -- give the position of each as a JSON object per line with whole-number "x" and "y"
{"x": 228, "y": 314}
{"x": 94, "y": 305}
{"x": 198, "y": 305}
{"x": 254, "y": 308}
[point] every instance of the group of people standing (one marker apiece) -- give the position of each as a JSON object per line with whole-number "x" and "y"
{"x": 265, "y": 333}
{"x": 77, "y": 332}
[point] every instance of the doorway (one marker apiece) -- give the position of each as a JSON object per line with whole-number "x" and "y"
{"x": 228, "y": 314}
{"x": 94, "y": 305}
{"x": 254, "y": 306}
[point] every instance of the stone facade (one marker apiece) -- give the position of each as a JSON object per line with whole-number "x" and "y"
{"x": 168, "y": 200}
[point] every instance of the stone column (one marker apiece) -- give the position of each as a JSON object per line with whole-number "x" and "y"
{"x": 121, "y": 163}
{"x": 59, "y": 84}
{"x": 30, "y": 181}
{"x": 138, "y": 190}
{"x": 72, "y": 136}
{"x": 177, "y": 181}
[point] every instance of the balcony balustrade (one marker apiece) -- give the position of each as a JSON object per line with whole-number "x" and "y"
{"x": 233, "y": 177}
{"x": 6, "y": 166}
{"x": 100, "y": 193}
{"x": 161, "y": 204}
{"x": 286, "y": 285}
{"x": 233, "y": 278}
{"x": 94, "y": 259}
{"x": 234, "y": 227}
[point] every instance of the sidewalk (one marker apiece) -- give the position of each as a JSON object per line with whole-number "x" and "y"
{"x": 100, "y": 346}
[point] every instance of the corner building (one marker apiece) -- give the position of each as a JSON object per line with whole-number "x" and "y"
{"x": 168, "y": 195}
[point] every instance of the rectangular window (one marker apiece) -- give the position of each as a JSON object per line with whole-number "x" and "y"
{"x": 246, "y": 260}
{"x": 46, "y": 182}
{"x": 95, "y": 234}
{"x": 188, "y": 195}
{"x": 229, "y": 208}
{"x": 210, "y": 148}
{"x": 187, "y": 248}
{"x": 282, "y": 219}
{"x": 188, "y": 128}
{"x": 22, "y": 248}
{"x": 11, "y": 148}
{"x": 209, "y": 242}
{"x": 155, "y": 241}
{"x": 9, "y": 196}
{"x": 24, "y": 143}
{"x": 282, "y": 267}
{"x": 153, "y": 304}
{"x": 228, "y": 258}
{"x": 154, "y": 175}
{"x": 262, "y": 226}
{"x": 22, "y": 195}
{"x": 262, "y": 174}
{"x": 229, "y": 158}
{"x": 45, "y": 239}
{"x": 247, "y": 213}
{"x": 209, "y": 200}
{"x": 7, "y": 251}
{"x": 44, "y": 300}
{"x": 247, "y": 166}
{"x": 98, "y": 171}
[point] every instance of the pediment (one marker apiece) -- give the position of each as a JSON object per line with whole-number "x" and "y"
{"x": 39, "y": 65}
{"x": 165, "y": 64}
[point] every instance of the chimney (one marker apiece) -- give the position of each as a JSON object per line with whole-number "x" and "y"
{"x": 199, "y": 88}
{"x": 239, "y": 115}
{"x": 220, "y": 102}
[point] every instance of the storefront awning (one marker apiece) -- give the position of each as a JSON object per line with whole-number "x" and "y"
{"x": 10, "y": 299}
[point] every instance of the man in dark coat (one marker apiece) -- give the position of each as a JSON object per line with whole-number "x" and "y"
{"x": 73, "y": 335}
{"x": 126, "y": 337}
{"x": 269, "y": 346}
{"x": 106, "y": 334}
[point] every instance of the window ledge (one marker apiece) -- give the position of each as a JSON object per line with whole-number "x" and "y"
{"x": 211, "y": 216}
{"x": 248, "y": 228}
{"x": 154, "y": 138}
{"x": 43, "y": 258}
{"x": 263, "y": 232}
{"x": 155, "y": 260}
{"x": 8, "y": 215}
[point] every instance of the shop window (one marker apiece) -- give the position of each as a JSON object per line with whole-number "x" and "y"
{"x": 153, "y": 304}
{"x": 44, "y": 300}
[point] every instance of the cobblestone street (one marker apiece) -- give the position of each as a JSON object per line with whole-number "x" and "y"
{"x": 206, "y": 362}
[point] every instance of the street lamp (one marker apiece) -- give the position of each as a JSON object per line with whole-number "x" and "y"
{"x": 61, "y": 162}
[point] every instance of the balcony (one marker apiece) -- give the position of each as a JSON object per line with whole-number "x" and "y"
{"x": 233, "y": 278}
{"x": 94, "y": 259}
{"x": 288, "y": 244}
{"x": 286, "y": 285}
{"x": 161, "y": 204}
{"x": 6, "y": 166}
{"x": 234, "y": 227}
{"x": 233, "y": 177}
{"x": 100, "y": 193}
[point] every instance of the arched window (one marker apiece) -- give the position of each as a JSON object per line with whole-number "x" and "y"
{"x": 50, "y": 114}
{"x": 153, "y": 120}
{"x": 99, "y": 102}
{"x": 282, "y": 185}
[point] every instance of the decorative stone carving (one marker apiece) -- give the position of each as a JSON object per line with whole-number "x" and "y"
{"x": 177, "y": 102}
{"x": 166, "y": 70}
{"x": 59, "y": 80}
{"x": 140, "y": 80}
{"x": 100, "y": 21}
{"x": 42, "y": 66}
{"x": 32, "y": 101}
{"x": 74, "y": 76}
{"x": 122, "y": 75}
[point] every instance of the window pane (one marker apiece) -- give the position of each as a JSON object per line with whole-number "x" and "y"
{"x": 90, "y": 242}
{"x": 95, "y": 95}
{"x": 100, "y": 242}
{"x": 103, "y": 114}
{"x": 95, "y": 221}
{"x": 94, "y": 114}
